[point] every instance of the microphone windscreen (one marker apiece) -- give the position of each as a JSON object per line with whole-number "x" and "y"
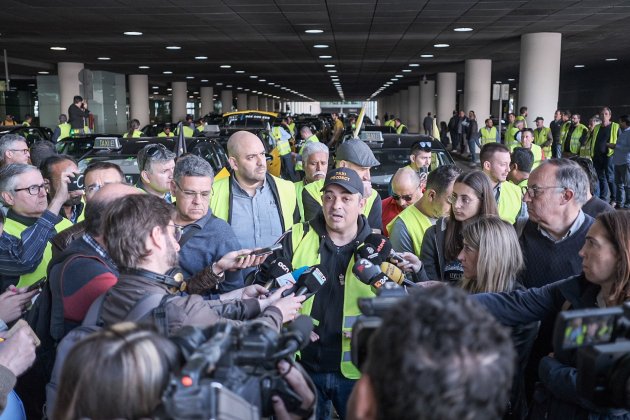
{"x": 278, "y": 268}
{"x": 393, "y": 272}
{"x": 380, "y": 244}
{"x": 365, "y": 270}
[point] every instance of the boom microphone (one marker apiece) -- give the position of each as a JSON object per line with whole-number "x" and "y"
{"x": 309, "y": 283}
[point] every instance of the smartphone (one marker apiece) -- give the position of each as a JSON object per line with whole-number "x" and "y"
{"x": 37, "y": 285}
{"x": 21, "y": 323}
{"x": 263, "y": 251}
{"x": 76, "y": 182}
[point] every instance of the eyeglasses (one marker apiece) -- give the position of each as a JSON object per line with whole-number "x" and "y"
{"x": 452, "y": 199}
{"x": 192, "y": 194}
{"x": 407, "y": 197}
{"x": 535, "y": 191}
{"x": 152, "y": 151}
{"x": 33, "y": 189}
{"x": 92, "y": 189}
{"x": 24, "y": 151}
{"x": 178, "y": 231}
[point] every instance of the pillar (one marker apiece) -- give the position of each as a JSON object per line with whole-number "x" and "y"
{"x": 427, "y": 98}
{"x": 396, "y": 104}
{"x": 139, "y": 98}
{"x": 446, "y": 96}
{"x": 207, "y": 100}
{"x": 477, "y": 87}
{"x": 226, "y": 100}
{"x": 404, "y": 106}
{"x": 241, "y": 101}
{"x": 413, "y": 109}
{"x": 539, "y": 84}
{"x": 69, "y": 84}
{"x": 253, "y": 102}
{"x": 180, "y": 97}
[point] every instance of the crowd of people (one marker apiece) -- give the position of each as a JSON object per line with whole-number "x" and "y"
{"x": 515, "y": 240}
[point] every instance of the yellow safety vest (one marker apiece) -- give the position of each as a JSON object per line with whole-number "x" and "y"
{"x": 26, "y": 124}
{"x": 510, "y": 137}
{"x": 614, "y": 130}
{"x": 536, "y": 151}
{"x": 306, "y": 253}
{"x": 15, "y": 228}
{"x": 188, "y": 132}
{"x": 136, "y": 134}
{"x": 521, "y": 118}
{"x": 163, "y": 134}
{"x": 389, "y": 123}
{"x": 299, "y": 166}
{"x": 540, "y": 138}
{"x": 292, "y": 129}
{"x": 563, "y": 131}
{"x": 299, "y": 187}
{"x": 284, "y": 147}
{"x": 509, "y": 205}
{"x": 400, "y": 128}
{"x": 315, "y": 190}
{"x": 220, "y": 202}
{"x": 574, "y": 145}
{"x": 417, "y": 224}
{"x": 64, "y": 130}
{"x": 488, "y": 135}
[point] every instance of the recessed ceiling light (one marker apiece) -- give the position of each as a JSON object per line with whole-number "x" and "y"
{"x": 276, "y": 85}
{"x": 441, "y": 45}
{"x": 239, "y": 71}
{"x": 579, "y": 66}
{"x": 463, "y": 29}
{"x": 399, "y": 75}
{"x": 406, "y": 71}
{"x": 325, "y": 56}
{"x": 246, "y": 90}
{"x": 394, "y": 80}
{"x": 225, "y": 66}
{"x": 253, "y": 77}
{"x": 459, "y": 90}
{"x": 611, "y": 59}
{"x": 498, "y": 82}
{"x": 270, "y": 83}
{"x": 173, "y": 47}
{"x": 426, "y": 55}
{"x": 132, "y": 33}
{"x": 42, "y": 72}
{"x": 329, "y": 65}
{"x": 58, "y": 48}
{"x": 513, "y": 88}
{"x": 103, "y": 58}
{"x": 156, "y": 87}
{"x": 169, "y": 89}
{"x": 262, "y": 80}
{"x": 144, "y": 67}
{"x": 510, "y": 80}
{"x": 167, "y": 72}
{"x": 201, "y": 57}
{"x": 414, "y": 65}
{"x": 204, "y": 80}
{"x": 196, "y": 93}
{"x": 228, "y": 86}
{"x": 320, "y": 46}
{"x": 313, "y": 31}
{"x": 332, "y": 71}
{"x": 219, "y": 84}
{"x": 190, "y": 77}
{"x": 239, "y": 88}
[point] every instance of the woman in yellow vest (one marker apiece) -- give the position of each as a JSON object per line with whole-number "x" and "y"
{"x": 134, "y": 131}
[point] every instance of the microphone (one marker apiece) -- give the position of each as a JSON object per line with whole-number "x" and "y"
{"x": 296, "y": 337}
{"x": 309, "y": 282}
{"x": 375, "y": 248}
{"x": 279, "y": 272}
{"x": 396, "y": 274}
{"x": 369, "y": 274}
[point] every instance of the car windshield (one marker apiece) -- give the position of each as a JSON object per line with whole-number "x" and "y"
{"x": 393, "y": 159}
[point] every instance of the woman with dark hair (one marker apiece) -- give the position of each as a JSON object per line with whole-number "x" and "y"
{"x": 472, "y": 196}
{"x": 134, "y": 130}
{"x": 604, "y": 282}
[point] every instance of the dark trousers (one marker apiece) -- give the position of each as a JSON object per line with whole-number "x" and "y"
{"x": 332, "y": 387}
{"x": 454, "y": 139}
{"x": 606, "y": 176}
{"x": 622, "y": 184}
{"x": 287, "y": 168}
{"x": 556, "y": 150}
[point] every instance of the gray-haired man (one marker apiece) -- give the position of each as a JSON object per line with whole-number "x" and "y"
{"x": 14, "y": 149}
{"x": 156, "y": 164}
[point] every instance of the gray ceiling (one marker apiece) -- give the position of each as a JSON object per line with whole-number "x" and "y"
{"x": 369, "y": 40}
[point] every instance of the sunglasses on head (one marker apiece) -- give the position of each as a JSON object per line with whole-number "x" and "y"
{"x": 422, "y": 145}
{"x": 153, "y": 151}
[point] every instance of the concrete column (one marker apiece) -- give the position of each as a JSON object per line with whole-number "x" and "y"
{"x": 253, "y": 102}
{"x": 413, "y": 109}
{"x": 477, "y": 87}
{"x": 404, "y": 106}
{"x": 180, "y": 97}
{"x": 69, "y": 84}
{"x": 139, "y": 98}
{"x": 427, "y": 98}
{"x": 446, "y": 96}
{"x": 207, "y": 100}
{"x": 241, "y": 101}
{"x": 396, "y": 104}
{"x": 226, "y": 100}
{"x": 539, "y": 74}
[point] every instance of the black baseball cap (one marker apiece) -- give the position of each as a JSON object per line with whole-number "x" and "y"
{"x": 346, "y": 178}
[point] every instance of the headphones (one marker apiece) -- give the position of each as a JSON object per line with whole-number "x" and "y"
{"x": 173, "y": 278}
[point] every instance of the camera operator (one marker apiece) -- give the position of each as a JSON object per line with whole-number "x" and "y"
{"x": 437, "y": 355}
{"x": 604, "y": 282}
{"x": 331, "y": 239}
{"x": 141, "y": 239}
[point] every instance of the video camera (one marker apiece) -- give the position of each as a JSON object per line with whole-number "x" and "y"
{"x": 373, "y": 309}
{"x": 599, "y": 336}
{"x": 231, "y": 371}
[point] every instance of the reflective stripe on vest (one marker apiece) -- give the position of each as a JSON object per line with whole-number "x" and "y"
{"x": 220, "y": 201}
{"x": 306, "y": 253}
{"x": 15, "y": 228}
{"x": 314, "y": 189}
{"x": 417, "y": 224}
{"x": 540, "y": 138}
{"x": 64, "y": 131}
{"x": 614, "y": 131}
{"x": 488, "y": 135}
{"x": 284, "y": 147}
{"x": 509, "y": 205}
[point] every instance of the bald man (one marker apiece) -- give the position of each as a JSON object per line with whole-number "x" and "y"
{"x": 407, "y": 186}
{"x": 258, "y": 205}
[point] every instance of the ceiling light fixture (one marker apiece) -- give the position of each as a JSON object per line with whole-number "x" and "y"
{"x": 219, "y": 84}
{"x": 313, "y": 31}
{"x": 225, "y": 66}
{"x": 406, "y": 71}
{"x": 426, "y": 55}
{"x": 414, "y": 65}
{"x": 462, "y": 29}
{"x": 253, "y": 77}
{"x": 173, "y": 47}
{"x": 320, "y": 46}
{"x": 329, "y": 65}
{"x": 510, "y": 80}
{"x": 103, "y": 58}
{"x": 204, "y": 80}
{"x": 167, "y": 72}
{"x": 325, "y": 56}
{"x": 58, "y": 48}
{"x": 441, "y": 45}
{"x": 611, "y": 59}
{"x": 132, "y": 33}
{"x": 201, "y": 57}
{"x": 332, "y": 71}
{"x": 579, "y": 66}
{"x": 262, "y": 80}
{"x": 239, "y": 71}
{"x": 42, "y": 72}
{"x": 190, "y": 77}
{"x": 144, "y": 67}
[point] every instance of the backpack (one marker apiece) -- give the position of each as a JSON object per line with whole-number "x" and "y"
{"x": 152, "y": 304}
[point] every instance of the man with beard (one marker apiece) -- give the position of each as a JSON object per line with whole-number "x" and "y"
{"x": 315, "y": 158}
{"x": 495, "y": 162}
{"x": 52, "y": 169}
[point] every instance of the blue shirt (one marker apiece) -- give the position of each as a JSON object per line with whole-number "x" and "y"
{"x": 621, "y": 156}
{"x": 214, "y": 239}
{"x": 22, "y": 255}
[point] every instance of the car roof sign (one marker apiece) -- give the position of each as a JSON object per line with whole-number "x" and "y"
{"x": 107, "y": 143}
